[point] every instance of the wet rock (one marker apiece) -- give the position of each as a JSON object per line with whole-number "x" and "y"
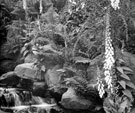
{"x": 30, "y": 58}
{"x": 28, "y": 71}
{"x": 9, "y": 79}
{"x": 53, "y": 77}
{"x": 26, "y": 84}
{"x": 71, "y": 101}
{"x": 39, "y": 89}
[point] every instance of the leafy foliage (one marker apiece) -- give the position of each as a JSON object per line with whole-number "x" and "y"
{"x": 71, "y": 35}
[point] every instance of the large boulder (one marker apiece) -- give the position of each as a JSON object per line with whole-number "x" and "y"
{"x": 30, "y": 58}
{"x": 39, "y": 89}
{"x": 71, "y": 101}
{"x": 9, "y": 79}
{"x": 53, "y": 76}
{"x": 28, "y": 71}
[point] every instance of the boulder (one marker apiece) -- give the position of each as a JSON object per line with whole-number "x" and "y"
{"x": 71, "y": 101}
{"x": 26, "y": 84}
{"x": 8, "y": 74}
{"x": 52, "y": 76}
{"x": 30, "y": 58}
{"x": 39, "y": 89}
{"x": 28, "y": 71}
{"x": 9, "y": 79}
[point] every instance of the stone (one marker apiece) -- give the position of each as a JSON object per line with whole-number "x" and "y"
{"x": 52, "y": 76}
{"x": 8, "y": 74}
{"x": 71, "y": 101}
{"x": 30, "y": 58}
{"x": 39, "y": 89}
{"x": 9, "y": 79}
{"x": 27, "y": 71}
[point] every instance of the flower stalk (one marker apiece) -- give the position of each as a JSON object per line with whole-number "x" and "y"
{"x": 41, "y": 7}
{"x": 24, "y": 4}
{"x": 115, "y": 4}
{"x": 109, "y": 53}
{"x": 109, "y": 58}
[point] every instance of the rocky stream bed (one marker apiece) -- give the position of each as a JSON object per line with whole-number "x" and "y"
{"x": 20, "y": 92}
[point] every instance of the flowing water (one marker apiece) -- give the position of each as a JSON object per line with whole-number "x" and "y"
{"x": 19, "y": 101}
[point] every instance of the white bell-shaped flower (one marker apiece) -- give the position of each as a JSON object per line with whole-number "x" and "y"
{"x": 115, "y": 4}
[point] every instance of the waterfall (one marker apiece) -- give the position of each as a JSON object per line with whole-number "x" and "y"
{"x": 17, "y": 100}
{"x": 10, "y": 96}
{"x": 38, "y": 100}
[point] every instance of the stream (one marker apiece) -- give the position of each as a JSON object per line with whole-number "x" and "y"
{"x": 13, "y": 100}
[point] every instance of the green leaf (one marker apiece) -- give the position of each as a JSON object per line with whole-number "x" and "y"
{"x": 127, "y": 69}
{"x": 130, "y": 56}
{"x": 123, "y": 106}
{"x": 128, "y": 94}
{"x": 111, "y": 102}
{"x": 25, "y": 53}
{"x": 59, "y": 27}
{"x": 123, "y": 84}
{"x": 70, "y": 69}
{"x": 121, "y": 61}
{"x": 124, "y": 76}
{"x": 48, "y": 48}
{"x": 61, "y": 70}
{"x": 15, "y": 50}
{"x": 23, "y": 49}
{"x": 82, "y": 60}
{"x": 130, "y": 84}
{"x": 42, "y": 39}
{"x": 43, "y": 68}
{"x": 120, "y": 69}
{"x": 129, "y": 73}
{"x": 96, "y": 59}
